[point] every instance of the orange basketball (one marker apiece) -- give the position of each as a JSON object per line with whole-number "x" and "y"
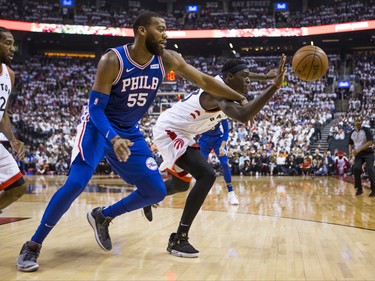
{"x": 310, "y": 63}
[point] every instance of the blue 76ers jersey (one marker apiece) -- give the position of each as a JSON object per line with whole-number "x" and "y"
{"x": 217, "y": 131}
{"x": 134, "y": 89}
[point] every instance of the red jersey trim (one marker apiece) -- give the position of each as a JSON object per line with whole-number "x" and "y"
{"x": 10, "y": 181}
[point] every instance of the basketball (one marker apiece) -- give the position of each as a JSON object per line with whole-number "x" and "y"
{"x": 310, "y": 63}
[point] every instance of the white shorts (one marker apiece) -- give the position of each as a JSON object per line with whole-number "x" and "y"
{"x": 172, "y": 145}
{"x": 9, "y": 171}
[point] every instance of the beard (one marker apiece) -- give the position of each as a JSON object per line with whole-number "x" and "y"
{"x": 153, "y": 47}
{"x": 5, "y": 60}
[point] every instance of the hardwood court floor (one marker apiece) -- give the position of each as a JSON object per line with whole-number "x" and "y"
{"x": 285, "y": 228}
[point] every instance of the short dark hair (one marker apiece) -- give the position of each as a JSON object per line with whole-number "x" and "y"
{"x": 232, "y": 66}
{"x": 2, "y": 31}
{"x": 144, "y": 19}
{"x": 356, "y": 116}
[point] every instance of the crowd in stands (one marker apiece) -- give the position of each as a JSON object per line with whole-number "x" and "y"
{"x": 208, "y": 17}
{"x": 51, "y": 92}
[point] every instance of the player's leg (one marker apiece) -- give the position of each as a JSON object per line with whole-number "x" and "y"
{"x": 193, "y": 162}
{"x": 371, "y": 173}
{"x": 205, "y": 146}
{"x": 80, "y": 173}
{"x": 141, "y": 170}
{"x": 357, "y": 171}
{"x": 176, "y": 184}
{"x": 12, "y": 193}
{"x": 12, "y": 185}
{"x": 79, "y": 176}
{"x": 232, "y": 198}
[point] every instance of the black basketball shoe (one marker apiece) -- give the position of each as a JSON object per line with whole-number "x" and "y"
{"x": 180, "y": 247}
{"x": 100, "y": 225}
{"x": 29, "y": 253}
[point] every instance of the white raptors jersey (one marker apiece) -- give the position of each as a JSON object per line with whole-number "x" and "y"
{"x": 5, "y": 89}
{"x": 188, "y": 116}
{"x": 176, "y": 128}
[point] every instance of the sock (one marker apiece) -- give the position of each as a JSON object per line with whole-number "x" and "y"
{"x": 230, "y": 188}
{"x": 183, "y": 230}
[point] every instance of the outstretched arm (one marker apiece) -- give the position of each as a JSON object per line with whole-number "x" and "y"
{"x": 272, "y": 74}
{"x": 173, "y": 61}
{"x": 245, "y": 113}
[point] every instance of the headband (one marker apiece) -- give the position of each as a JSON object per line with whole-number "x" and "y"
{"x": 235, "y": 68}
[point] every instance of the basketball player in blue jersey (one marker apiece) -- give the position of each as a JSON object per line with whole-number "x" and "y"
{"x": 125, "y": 86}
{"x": 216, "y": 138}
{"x": 12, "y": 183}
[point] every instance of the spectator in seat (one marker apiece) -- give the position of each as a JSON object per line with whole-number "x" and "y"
{"x": 43, "y": 168}
{"x": 290, "y": 168}
{"x": 264, "y": 164}
{"x": 306, "y": 165}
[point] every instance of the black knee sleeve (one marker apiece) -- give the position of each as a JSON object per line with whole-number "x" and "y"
{"x": 175, "y": 185}
{"x": 193, "y": 162}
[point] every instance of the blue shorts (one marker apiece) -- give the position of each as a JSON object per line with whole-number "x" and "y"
{"x": 207, "y": 143}
{"x": 141, "y": 163}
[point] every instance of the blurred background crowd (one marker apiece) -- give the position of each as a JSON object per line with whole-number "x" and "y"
{"x": 303, "y": 130}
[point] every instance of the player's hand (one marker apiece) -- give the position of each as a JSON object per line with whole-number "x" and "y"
{"x": 351, "y": 161}
{"x": 272, "y": 73}
{"x": 244, "y": 101}
{"x": 281, "y": 72}
{"x": 19, "y": 147}
{"x": 121, "y": 148}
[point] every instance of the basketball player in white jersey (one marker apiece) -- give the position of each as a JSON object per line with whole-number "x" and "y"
{"x": 12, "y": 184}
{"x": 174, "y": 134}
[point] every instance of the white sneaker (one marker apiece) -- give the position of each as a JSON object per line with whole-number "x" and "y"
{"x": 232, "y": 198}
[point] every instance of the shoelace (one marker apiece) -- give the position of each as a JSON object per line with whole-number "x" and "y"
{"x": 31, "y": 255}
{"x": 183, "y": 242}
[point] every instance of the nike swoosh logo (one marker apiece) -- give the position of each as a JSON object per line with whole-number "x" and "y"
{"x": 129, "y": 69}
{"x": 106, "y": 136}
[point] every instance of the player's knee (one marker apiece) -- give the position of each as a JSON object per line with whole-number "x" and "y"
{"x": 157, "y": 194}
{"x": 206, "y": 175}
{"x": 162, "y": 192}
{"x": 182, "y": 186}
{"x": 75, "y": 183}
